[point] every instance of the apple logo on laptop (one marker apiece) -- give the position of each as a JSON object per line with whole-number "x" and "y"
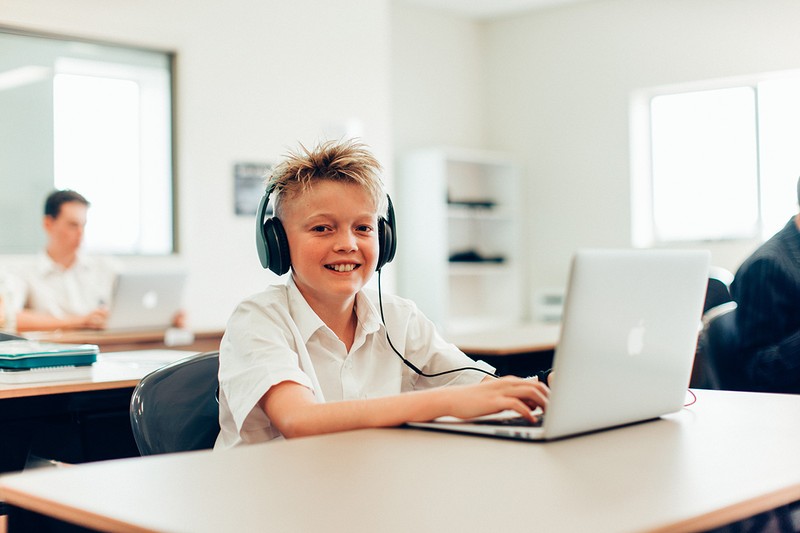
{"x": 150, "y": 299}
{"x": 636, "y": 339}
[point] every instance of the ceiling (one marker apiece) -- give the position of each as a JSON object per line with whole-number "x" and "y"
{"x": 482, "y": 9}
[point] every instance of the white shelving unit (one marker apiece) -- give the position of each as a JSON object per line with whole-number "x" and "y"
{"x": 460, "y": 203}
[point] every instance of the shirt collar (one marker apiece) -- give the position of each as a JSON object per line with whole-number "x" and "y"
{"x": 304, "y": 317}
{"x": 45, "y": 265}
{"x": 368, "y": 315}
{"x": 308, "y": 322}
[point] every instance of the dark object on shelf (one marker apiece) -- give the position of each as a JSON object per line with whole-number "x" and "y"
{"x": 479, "y": 204}
{"x": 471, "y": 256}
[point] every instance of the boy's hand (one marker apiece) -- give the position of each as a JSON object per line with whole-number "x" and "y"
{"x": 496, "y": 395}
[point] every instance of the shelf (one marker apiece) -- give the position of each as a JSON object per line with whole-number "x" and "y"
{"x": 478, "y": 269}
{"x": 478, "y": 324}
{"x": 473, "y": 213}
{"x": 460, "y": 201}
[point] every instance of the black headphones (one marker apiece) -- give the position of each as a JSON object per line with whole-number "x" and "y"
{"x": 273, "y": 245}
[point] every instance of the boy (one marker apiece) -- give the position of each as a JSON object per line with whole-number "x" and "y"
{"x": 65, "y": 289}
{"x": 314, "y": 355}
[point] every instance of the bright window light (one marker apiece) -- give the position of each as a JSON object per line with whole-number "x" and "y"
{"x": 704, "y": 165}
{"x": 96, "y": 145}
{"x": 718, "y": 163}
{"x": 112, "y": 144}
{"x": 779, "y": 133}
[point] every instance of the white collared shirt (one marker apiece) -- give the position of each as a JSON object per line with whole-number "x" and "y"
{"x": 275, "y": 336}
{"x": 52, "y": 289}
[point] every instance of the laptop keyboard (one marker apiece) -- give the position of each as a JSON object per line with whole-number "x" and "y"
{"x": 516, "y": 421}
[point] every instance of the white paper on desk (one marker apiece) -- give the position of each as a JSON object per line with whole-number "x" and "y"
{"x": 178, "y": 337}
{"x": 145, "y": 357}
{"x": 44, "y": 374}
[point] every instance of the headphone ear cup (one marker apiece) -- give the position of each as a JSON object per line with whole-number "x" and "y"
{"x": 387, "y": 241}
{"x": 277, "y": 246}
{"x": 261, "y": 238}
{"x": 384, "y": 242}
{"x": 271, "y": 241}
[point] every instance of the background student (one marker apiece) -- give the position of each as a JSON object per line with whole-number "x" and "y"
{"x": 314, "y": 355}
{"x": 767, "y": 291}
{"x": 62, "y": 288}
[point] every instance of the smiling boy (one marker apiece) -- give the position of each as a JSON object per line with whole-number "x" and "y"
{"x": 314, "y": 355}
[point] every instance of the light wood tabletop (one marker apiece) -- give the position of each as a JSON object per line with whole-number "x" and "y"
{"x": 129, "y": 340}
{"x": 115, "y": 370}
{"x": 728, "y": 456}
{"x": 509, "y": 340}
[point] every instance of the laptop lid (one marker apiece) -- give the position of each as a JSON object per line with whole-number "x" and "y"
{"x": 629, "y": 332}
{"x": 145, "y": 300}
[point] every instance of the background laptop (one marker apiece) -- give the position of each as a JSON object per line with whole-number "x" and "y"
{"x": 145, "y": 300}
{"x": 628, "y": 338}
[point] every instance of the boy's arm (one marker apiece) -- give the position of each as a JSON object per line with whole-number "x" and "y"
{"x": 28, "y": 320}
{"x": 292, "y": 409}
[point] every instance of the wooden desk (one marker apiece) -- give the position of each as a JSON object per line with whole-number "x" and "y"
{"x": 116, "y": 370}
{"x": 124, "y": 341}
{"x": 512, "y": 340}
{"x": 729, "y": 456}
{"x": 78, "y": 420}
{"x": 520, "y": 350}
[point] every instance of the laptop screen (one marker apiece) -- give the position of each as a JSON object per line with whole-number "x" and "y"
{"x": 146, "y": 300}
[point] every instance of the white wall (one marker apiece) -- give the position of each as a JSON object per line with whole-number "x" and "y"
{"x": 559, "y": 88}
{"x": 551, "y": 87}
{"x": 253, "y": 78}
{"x": 438, "y": 79}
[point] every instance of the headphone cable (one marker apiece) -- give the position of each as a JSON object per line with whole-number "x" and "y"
{"x": 408, "y": 363}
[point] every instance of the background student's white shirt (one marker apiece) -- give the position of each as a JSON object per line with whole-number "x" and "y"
{"x": 50, "y": 288}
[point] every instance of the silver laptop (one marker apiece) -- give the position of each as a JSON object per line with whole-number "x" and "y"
{"x": 145, "y": 300}
{"x": 629, "y": 332}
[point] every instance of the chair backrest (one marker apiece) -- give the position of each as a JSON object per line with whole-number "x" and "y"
{"x": 718, "y": 290}
{"x": 717, "y": 360}
{"x": 175, "y": 408}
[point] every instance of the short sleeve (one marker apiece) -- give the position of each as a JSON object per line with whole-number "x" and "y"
{"x": 258, "y": 351}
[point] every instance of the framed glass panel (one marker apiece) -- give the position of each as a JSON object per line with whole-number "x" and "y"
{"x": 93, "y": 117}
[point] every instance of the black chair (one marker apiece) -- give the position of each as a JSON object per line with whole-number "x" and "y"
{"x": 718, "y": 289}
{"x": 716, "y": 357}
{"x": 175, "y": 408}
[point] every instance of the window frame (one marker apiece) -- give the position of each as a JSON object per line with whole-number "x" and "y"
{"x": 644, "y": 231}
{"x": 170, "y": 134}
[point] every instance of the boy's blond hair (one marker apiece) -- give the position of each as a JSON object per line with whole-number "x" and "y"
{"x": 348, "y": 161}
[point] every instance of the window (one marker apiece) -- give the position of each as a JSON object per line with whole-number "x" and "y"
{"x": 92, "y": 117}
{"x": 111, "y": 145}
{"x": 715, "y": 161}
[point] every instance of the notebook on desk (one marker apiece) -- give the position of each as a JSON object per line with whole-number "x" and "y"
{"x": 628, "y": 338}
{"x": 23, "y": 354}
{"x": 145, "y": 300}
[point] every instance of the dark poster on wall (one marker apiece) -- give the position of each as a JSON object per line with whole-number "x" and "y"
{"x": 248, "y": 181}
